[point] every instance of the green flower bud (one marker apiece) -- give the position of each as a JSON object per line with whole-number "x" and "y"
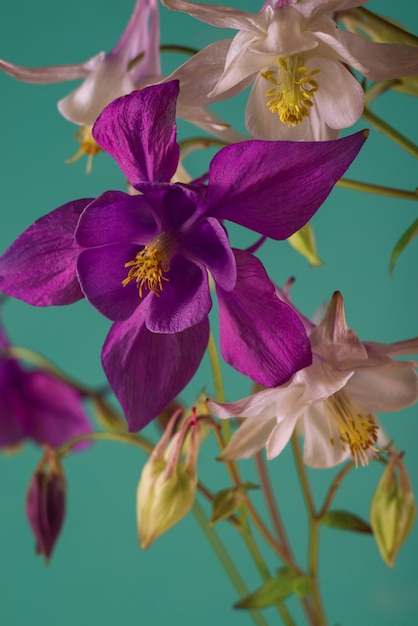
{"x": 392, "y": 510}
{"x": 167, "y": 486}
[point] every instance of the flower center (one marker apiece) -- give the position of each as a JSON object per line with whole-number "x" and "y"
{"x": 293, "y": 91}
{"x": 87, "y": 146}
{"x": 148, "y": 267}
{"x": 357, "y": 429}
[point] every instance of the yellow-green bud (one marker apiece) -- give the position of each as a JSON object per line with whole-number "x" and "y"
{"x": 392, "y": 510}
{"x": 167, "y": 486}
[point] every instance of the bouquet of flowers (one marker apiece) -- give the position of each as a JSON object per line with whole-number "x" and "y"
{"x": 228, "y": 364}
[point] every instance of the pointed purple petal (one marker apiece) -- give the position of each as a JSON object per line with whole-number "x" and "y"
{"x": 184, "y": 300}
{"x": 12, "y": 422}
{"x": 40, "y": 266}
{"x": 147, "y": 370}
{"x": 261, "y": 336}
{"x": 274, "y": 188}
{"x": 139, "y": 132}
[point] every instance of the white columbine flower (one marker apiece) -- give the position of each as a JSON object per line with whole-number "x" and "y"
{"x": 333, "y": 401}
{"x": 296, "y": 57}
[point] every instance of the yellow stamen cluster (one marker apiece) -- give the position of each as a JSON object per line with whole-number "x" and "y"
{"x": 147, "y": 270}
{"x": 357, "y": 429}
{"x": 87, "y": 147}
{"x": 293, "y": 91}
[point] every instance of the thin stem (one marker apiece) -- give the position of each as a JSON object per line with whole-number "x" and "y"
{"x": 202, "y": 142}
{"x": 270, "y": 501}
{"x": 390, "y": 132}
{"x": 306, "y": 490}
{"x": 181, "y": 49}
{"x": 25, "y": 354}
{"x": 135, "y": 440}
{"x": 314, "y": 524}
{"x": 380, "y": 190}
{"x": 226, "y": 560}
{"x": 338, "y": 478}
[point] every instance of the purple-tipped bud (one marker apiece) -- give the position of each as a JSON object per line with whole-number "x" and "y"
{"x": 45, "y": 502}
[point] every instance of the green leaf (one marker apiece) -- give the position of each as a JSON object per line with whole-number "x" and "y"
{"x": 343, "y": 520}
{"x": 227, "y": 501}
{"x": 303, "y": 241}
{"x": 406, "y": 238}
{"x": 275, "y": 590}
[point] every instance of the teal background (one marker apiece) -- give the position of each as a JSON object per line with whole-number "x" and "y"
{"x": 98, "y": 575}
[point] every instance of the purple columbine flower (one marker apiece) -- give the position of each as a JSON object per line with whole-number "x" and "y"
{"x": 143, "y": 261}
{"x": 35, "y": 405}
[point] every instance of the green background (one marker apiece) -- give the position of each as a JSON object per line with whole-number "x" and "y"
{"x": 98, "y": 575}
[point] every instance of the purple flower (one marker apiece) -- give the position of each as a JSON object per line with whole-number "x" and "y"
{"x": 143, "y": 261}
{"x": 35, "y": 405}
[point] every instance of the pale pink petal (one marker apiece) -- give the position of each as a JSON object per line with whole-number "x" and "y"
{"x": 215, "y": 14}
{"x": 319, "y": 430}
{"x": 52, "y": 73}
{"x": 387, "y": 388}
{"x": 280, "y": 435}
{"x": 250, "y": 437}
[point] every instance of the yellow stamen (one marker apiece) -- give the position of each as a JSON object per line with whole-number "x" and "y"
{"x": 87, "y": 146}
{"x": 357, "y": 429}
{"x": 293, "y": 91}
{"x": 149, "y": 265}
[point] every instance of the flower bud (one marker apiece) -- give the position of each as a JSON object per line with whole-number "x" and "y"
{"x": 392, "y": 510}
{"x": 45, "y": 502}
{"x": 167, "y": 486}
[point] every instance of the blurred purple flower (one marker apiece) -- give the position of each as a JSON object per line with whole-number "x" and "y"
{"x": 35, "y": 405}
{"x": 143, "y": 261}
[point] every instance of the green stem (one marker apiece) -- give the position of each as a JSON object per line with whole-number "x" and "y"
{"x": 270, "y": 501}
{"x": 24, "y": 354}
{"x": 135, "y": 440}
{"x": 390, "y": 132}
{"x": 378, "y": 189}
{"x": 180, "y": 49}
{"x": 334, "y": 487}
{"x": 314, "y": 524}
{"x": 226, "y": 560}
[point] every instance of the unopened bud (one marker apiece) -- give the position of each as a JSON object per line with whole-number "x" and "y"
{"x": 392, "y": 510}
{"x": 45, "y": 502}
{"x": 167, "y": 486}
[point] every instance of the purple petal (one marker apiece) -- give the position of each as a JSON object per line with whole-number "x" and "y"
{"x": 101, "y": 272}
{"x": 139, "y": 132}
{"x": 55, "y": 412}
{"x": 40, "y": 266}
{"x": 261, "y": 336}
{"x": 116, "y": 217}
{"x": 274, "y": 188}
{"x": 12, "y": 420}
{"x": 208, "y": 244}
{"x": 184, "y": 300}
{"x": 147, "y": 370}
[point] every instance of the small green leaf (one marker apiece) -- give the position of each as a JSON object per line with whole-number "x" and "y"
{"x": 303, "y": 241}
{"x": 275, "y": 590}
{"x": 225, "y": 503}
{"x": 407, "y": 237}
{"x": 343, "y": 520}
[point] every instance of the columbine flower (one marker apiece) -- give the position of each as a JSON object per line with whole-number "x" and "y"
{"x": 334, "y": 401}
{"x": 35, "y": 405}
{"x": 296, "y": 58}
{"x": 144, "y": 260}
{"x": 132, "y": 64}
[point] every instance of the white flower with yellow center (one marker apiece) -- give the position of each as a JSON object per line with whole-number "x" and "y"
{"x": 333, "y": 402}
{"x": 296, "y": 57}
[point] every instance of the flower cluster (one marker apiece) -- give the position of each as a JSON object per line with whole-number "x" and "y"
{"x": 157, "y": 260}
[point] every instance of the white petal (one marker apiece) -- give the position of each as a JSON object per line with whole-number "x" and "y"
{"x": 217, "y": 15}
{"x": 321, "y": 380}
{"x": 400, "y": 348}
{"x": 83, "y": 105}
{"x": 318, "y": 450}
{"x": 310, "y": 8}
{"x": 261, "y": 404}
{"x": 280, "y": 436}
{"x": 387, "y": 388}
{"x": 333, "y": 340}
{"x": 202, "y": 117}
{"x": 53, "y": 73}
{"x": 250, "y": 437}
{"x": 340, "y": 97}
{"x": 382, "y": 61}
